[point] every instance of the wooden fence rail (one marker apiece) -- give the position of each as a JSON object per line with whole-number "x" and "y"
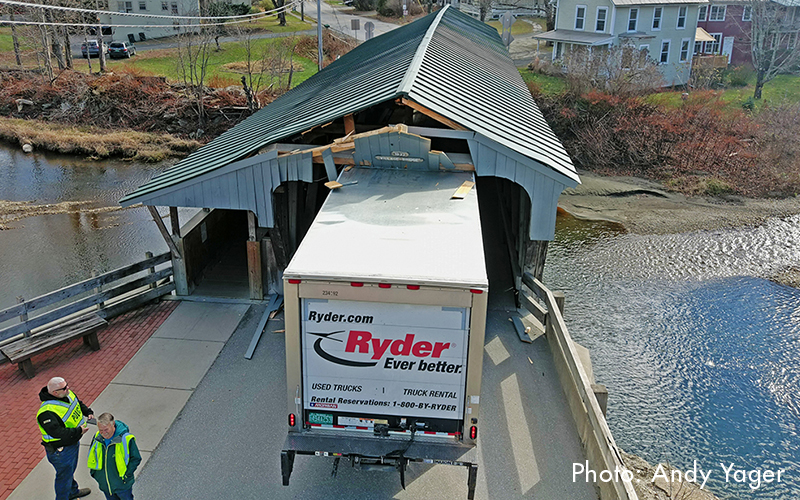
{"x": 599, "y": 447}
{"x": 128, "y": 295}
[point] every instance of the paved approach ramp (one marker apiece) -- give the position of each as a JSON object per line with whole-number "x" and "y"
{"x": 226, "y": 442}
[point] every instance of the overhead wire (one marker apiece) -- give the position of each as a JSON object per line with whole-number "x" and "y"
{"x": 233, "y": 19}
{"x": 138, "y": 14}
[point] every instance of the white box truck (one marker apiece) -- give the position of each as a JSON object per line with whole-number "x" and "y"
{"x": 385, "y": 306}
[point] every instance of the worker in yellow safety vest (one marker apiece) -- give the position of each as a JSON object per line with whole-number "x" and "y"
{"x": 113, "y": 458}
{"x": 62, "y": 422}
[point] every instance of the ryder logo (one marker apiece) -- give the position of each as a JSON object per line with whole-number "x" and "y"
{"x": 362, "y": 342}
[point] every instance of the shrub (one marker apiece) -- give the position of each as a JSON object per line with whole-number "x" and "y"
{"x": 364, "y": 5}
{"x": 394, "y": 8}
{"x": 739, "y": 76}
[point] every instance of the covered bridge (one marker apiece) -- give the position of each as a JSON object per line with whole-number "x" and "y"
{"x": 441, "y": 93}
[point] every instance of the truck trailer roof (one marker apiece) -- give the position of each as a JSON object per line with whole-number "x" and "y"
{"x": 395, "y": 226}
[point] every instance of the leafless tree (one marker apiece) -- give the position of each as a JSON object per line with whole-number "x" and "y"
{"x": 621, "y": 70}
{"x": 774, "y": 39}
{"x": 194, "y": 51}
{"x": 266, "y": 65}
{"x": 14, "y": 35}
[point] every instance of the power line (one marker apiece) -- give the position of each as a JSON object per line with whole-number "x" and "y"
{"x": 235, "y": 19}
{"x": 133, "y": 14}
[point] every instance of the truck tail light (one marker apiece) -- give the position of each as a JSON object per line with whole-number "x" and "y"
{"x": 384, "y": 285}
{"x": 293, "y": 420}
{"x": 294, "y": 282}
{"x": 473, "y": 432}
{"x": 356, "y": 284}
{"x": 412, "y": 287}
{"x": 476, "y": 291}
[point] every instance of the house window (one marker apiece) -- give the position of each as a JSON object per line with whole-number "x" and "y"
{"x": 702, "y": 13}
{"x": 142, "y": 5}
{"x": 644, "y": 50}
{"x": 164, "y": 6}
{"x": 126, "y": 7}
{"x": 175, "y": 8}
{"x": 713, "y": 47}
{"x": 685, "y": 49}
{"x": 698, "y": 47}
{"x": 682, "y": 17}
{"x": 633, "y": 16}
{"x": 580, "y": 17}
{"x": 747, "y": 13}
{"x": 717, "y": 13}
{"x": 602, "y": 14}
{"x": 657, "y": 18}
{"x": 664, "y": 59}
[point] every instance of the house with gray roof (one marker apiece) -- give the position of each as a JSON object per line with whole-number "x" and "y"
{"x": 665, "y": 29}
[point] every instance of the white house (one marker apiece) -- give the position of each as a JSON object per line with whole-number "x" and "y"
{"x": 666, "y": 29}
{"x": 137, "y": 28}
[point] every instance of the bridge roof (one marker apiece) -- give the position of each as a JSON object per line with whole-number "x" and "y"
{"x": 448, "y": 62}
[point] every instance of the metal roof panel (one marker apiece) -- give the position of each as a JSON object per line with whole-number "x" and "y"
{"x": 449, "y": 62}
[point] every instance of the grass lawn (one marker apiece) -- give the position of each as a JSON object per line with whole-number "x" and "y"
{"x": 783, "y": 89}
{"x": 270, "y": 23}
{"x": 164, "y": 63}
{"x": 548, "y": 84}
{"x": 520, "y": 26}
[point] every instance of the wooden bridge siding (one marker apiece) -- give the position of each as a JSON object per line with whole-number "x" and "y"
{"x": 543, "y": 190}
{"x": 246, "y": 187}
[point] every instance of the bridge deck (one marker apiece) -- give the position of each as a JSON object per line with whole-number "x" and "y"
{"x": 227, "y": 442}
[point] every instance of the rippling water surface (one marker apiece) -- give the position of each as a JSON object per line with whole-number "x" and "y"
{"x": 699, "y": 353}
{"x": 41, "y": 254}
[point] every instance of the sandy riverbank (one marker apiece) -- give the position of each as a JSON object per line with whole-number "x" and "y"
{"x": 645, "y": 207}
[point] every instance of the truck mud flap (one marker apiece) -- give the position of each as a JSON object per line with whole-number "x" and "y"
{"x": 287, "y": 464}
{"x": 472, "y": 480}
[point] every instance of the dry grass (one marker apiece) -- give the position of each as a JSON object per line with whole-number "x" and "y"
{"x": 241, "y": 67}
{"x": 89, "y": 141}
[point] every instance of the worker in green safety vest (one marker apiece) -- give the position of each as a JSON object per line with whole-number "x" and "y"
{"x": 62, "y": 422}
{"x": 113, "y": 458}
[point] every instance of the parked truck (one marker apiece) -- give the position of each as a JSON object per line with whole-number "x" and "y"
{"x": 385, "y": 307}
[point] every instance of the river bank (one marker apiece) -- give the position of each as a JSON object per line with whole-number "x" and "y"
{"x": 640, "y": 206}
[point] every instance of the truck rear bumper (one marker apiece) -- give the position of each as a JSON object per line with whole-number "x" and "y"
{"x": 379, "y": 450}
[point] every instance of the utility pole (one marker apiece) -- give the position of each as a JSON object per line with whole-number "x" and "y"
{"x": 101, "y": 53}
{"x": 319, "y": 32}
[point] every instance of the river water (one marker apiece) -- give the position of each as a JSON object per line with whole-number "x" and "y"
{"x": 41, "y": 254}
{"x": 699, "y": 353}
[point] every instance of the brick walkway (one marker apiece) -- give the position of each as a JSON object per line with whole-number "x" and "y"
{"x": 87, "y": 372}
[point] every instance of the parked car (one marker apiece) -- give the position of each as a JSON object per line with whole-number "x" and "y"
{"x": 92, "y": 49}
{"x": 121, "y": 49}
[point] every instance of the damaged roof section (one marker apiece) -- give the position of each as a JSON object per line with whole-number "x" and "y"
{"x": 449, "y": 65}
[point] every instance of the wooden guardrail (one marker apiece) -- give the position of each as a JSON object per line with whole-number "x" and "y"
{"x": 104, "y": 302}
{"x": 599, "y": 447}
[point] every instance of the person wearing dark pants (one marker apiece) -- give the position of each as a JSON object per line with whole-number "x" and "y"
{"x": 62, "y": 422}
{"x": 113, "y": 458}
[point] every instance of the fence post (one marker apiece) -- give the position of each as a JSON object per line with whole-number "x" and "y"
{"x": 560, "y": 300}
{"x": 98, "y": 290}
{"x": 24, "y": 316}
{"x": 152, "y": 270}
